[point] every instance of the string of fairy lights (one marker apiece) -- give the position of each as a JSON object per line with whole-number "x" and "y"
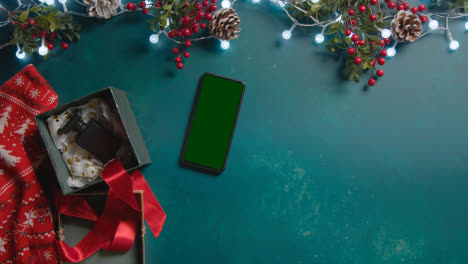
{"x": 433, "y": 25}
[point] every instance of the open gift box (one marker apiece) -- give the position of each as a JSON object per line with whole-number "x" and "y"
{"x": 72, "y": 229}
{"x": 135, "y": 156}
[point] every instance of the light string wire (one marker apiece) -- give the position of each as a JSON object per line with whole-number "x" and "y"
{"x": 282, "y": 5}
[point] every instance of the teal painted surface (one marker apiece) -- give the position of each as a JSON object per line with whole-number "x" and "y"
{"x": 319, "y": 171}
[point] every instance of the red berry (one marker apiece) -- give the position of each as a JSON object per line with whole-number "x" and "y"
{"x": 381, "y": 61}
{"x": 206, "y": 3}
{"x": 388, "y": 40}
{"x": 200, "y": 14}
{"x": 347, "y": 32}
{"x": 208, "y": 16}
{"x": 414, "y": 10}
{"x": 43, "y": 33}
{"x": 188, "y": 43}
{"x": 195, "y": 30}
{"x": 186, "y": 4}
{"x": 371, "y": 82}
{"x": 175, "y": 50}
{"x": 357, "y": 60}
{"x": 177, "y": 59}
{"x": 187, "y": 19}
{"x": 186, "y": 32}
{"x": 213, "y": 7}
{"x": 383, "y": 53}
{"x": 373, "y": 43}
{"x": 362, "y": 42}
{"x": 391, "y": 5}
{"x": 33, "y": 35}
{"x": 421, "y": 8}
{"x": 131, "y": 6}
{"x": 158, "y": 4}
{"x": 31, "y": 22}
{"x": 373, "y": 2}
{"x": 186, "y": 54}
{"x": 53, "y": 35}
{"x": 64, "y": 45}
{"x": 381, "y": 42}
{"x": 213, "y": 1}
{"x": 386, "y": 1}
{"x": 50, "y": 46}
{"x": 406, "y": 6}
{"x": 351, "y": 12}
{"x": 178, "y": 33}
{"x": 171, "y": 34}
{"x": 350, "y": 51}
{"x": 423, "y": 19}
{"x": 203, "y": 25}
{"x": 372, "y": 63}
{"x": 180, "y": 65}
{"x": 198, "y": 6}
{"x": 362, "y": 8}
{"x": 142, "y": 4}
{"x": 373, "y": 17}
{"x": 380, "y": 73}
{"x": 353, "y": 21}
{"x": 195, "y": 25}
{"x": 400, "y": 7}
{"x": 354, "y": 37}
{"x": 144, "y": 11}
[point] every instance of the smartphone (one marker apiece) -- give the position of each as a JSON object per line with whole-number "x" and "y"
{"x": 212, "y": 123}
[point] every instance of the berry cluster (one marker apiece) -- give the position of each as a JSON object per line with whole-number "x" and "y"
{"x": 379, "y": 46}
{"x": 35, "y": 31}
{"x": 198, "y": 13}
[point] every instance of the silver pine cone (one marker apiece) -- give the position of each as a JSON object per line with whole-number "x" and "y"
{"x": 102, "y": 8}
{"x": 225, "y": 24}
{"x": 406, "y": 26}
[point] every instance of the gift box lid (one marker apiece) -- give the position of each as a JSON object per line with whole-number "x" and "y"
{"x": 127, "y": 118}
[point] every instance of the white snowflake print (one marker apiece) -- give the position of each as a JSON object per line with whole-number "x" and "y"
{"x": 19, "y": 81}
{"x": 34, "y": 93}
{"x": 52, "y": 98}
{"x": 47, "y": 255}
{"x": 29, "y": 218}
{"x": 2, "y": 244}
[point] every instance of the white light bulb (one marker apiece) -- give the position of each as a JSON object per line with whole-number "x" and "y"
{"x": 315, "y": 1}
{"x": 225, "y": 4}
{"x": 256, "y": 1}
{"x": 319, "y": 38}
{"x": 225, "y": 44}
{"x": 154, "y": 38}
{"x": 454, "y": 45}
{"x": 50, "y": 2}
{"x": 286, "y": 34}
{"x": 433, "y": 24}
{"x": 62, "y": 1}
{"x": 466, "y": 25}
{"x": 386, "y": 33}
{"x": 391, "y": 52}
{"x": 42, "y": 1}
{"x": 42, "y": 50}
{"x": 20, "y": 54}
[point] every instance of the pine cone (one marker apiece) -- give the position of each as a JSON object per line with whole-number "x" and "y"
{"x": 225, "y": 24}
{"x": 102, "y": 8}
{"x": 406, "y": 26}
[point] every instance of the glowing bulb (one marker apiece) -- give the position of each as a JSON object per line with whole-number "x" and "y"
{"x": 154, "y": 38}
{"x": 385, "y": 33}
{"x": 225, "y": 44}
{"x": 256, "y": 1}
{"x": 319, "y": 38}
{"x": 466, "y": 25}
{"x": 433, "y": 24}
{"x": 226, "y": 4}
{"x": 454, "y": 45}
{"x": 62, "y": 1}
{"x": 391, "y": 52}
{"x": 42, "y": 1}
{"x": 20, "y": 54}
{"x": 43, "y": 50}
{"x": 286, "y": 34}
{"x": 50, "y": 2}
{"x": 315, "y": 1}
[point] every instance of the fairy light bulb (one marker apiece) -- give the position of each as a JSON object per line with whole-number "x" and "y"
{"x": 42, "y": 50}
{"x": 454, "y": 45}
{"x": 225, "y": 4}
{"x": 391, "y": 52}
{"x": 154, "y": 38}
{"x": 50, "y": 2}
{"x": 319, "y": 38}
{"x": 225, "y": 44}
{"x": 286, "y": 34}
{"x": 385, "y": 33}
{"x": 466, "y": 25}
{"x": 42, "y": 1}
{"x": 62, "y": 1}
{"x": 315, "y": 1}
{"x": 433, "y": 24}
{"x": 256, "y": 1}
{"x": 20, "y": 54}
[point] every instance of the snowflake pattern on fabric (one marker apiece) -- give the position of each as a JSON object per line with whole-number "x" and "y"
{"x": 34, "y": 93}
{"x": 19, "y": 81}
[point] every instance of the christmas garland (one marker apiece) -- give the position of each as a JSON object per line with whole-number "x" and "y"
{"x": 367, "y": 30}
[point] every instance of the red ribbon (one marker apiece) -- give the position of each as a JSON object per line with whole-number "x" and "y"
{"x": 116, "y": 228}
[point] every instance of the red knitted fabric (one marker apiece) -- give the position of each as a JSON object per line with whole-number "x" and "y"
{"x": 26, "y": 227}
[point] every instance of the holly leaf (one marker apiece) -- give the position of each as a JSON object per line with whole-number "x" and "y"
{"x": 35, "y": 9}
{"x": 23, "y": 16}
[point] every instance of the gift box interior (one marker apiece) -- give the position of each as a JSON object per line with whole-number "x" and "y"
{"x": 73, "y": 229}
{"x": 132, "y": 150}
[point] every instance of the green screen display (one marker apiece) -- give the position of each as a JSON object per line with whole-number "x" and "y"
{"x": 213, "y": 121}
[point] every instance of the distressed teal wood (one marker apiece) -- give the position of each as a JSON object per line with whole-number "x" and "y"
{"x": 319, "y": 170}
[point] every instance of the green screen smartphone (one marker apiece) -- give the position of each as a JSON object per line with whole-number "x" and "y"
{"x": 212, "y": 123}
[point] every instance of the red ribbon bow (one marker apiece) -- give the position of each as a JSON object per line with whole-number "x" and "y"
{"x": 116, "y": 228}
